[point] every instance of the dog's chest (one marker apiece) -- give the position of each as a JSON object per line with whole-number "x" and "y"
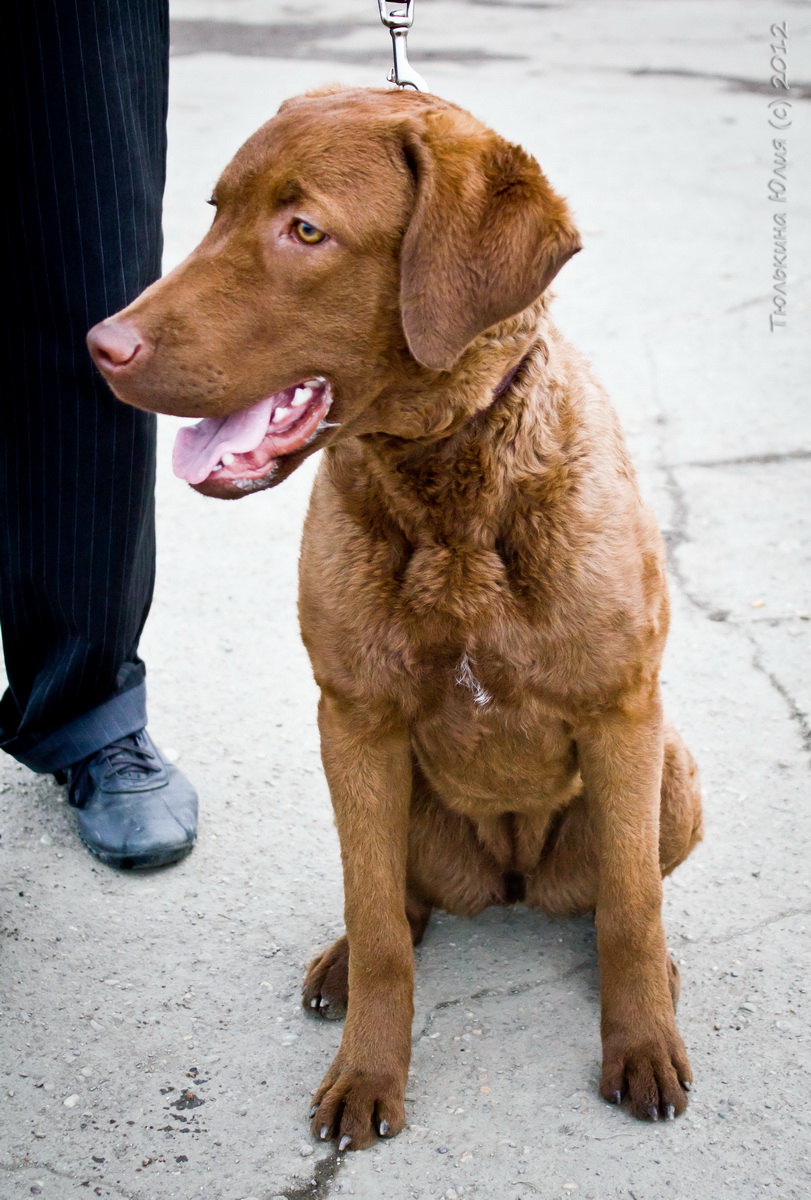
{"x": 486, "y": 749}
{"x": 423, "y": 624}
{"x": 453, "y": 634}
{"x": 465, "y": 678}
{"x": 487, "y": 737}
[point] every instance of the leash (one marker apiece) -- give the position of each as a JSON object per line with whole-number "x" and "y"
{"x": 398, "y": 17}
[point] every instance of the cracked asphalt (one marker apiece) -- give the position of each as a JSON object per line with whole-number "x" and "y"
{"x": 152, "y": 1040}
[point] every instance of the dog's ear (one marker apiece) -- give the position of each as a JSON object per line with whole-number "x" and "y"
{"x": 486, "y": 237}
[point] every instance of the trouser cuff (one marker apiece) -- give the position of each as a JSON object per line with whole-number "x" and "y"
{"x": 123, "y": 713}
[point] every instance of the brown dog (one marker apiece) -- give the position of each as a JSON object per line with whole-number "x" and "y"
{"x": 482, "y": 589}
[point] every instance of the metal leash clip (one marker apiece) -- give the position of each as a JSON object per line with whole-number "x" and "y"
{"x": 398, "y": 17}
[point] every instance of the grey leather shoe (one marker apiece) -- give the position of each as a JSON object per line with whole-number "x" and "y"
{"x": 133, "y": 810}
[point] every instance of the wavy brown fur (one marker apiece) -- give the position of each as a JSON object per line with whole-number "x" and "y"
{"x": 483, "y": 593}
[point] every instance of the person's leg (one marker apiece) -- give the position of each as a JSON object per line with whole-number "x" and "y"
{"x": 86, "y": 107}
{"x": 86, "y": 110}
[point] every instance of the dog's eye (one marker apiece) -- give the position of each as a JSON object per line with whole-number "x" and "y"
{"x": 307, "y": 233}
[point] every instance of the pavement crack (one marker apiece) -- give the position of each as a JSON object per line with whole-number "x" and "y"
{"x": 746, "y": 460}
{"x": 677, "y": 534}
{"x": 298, "y": 41}
{"x": 771, "y": 619}
{"x": 675, "y": 537}
{"x": 798, "y": 716}
{"x": 764, "y": 924}
{"x": 287, "y": 40}
{"x": 41, "y": 1166}
{"x": 536, "y": 4}
{"x": 744, "y": 304}
{"x": 518, "y": 989}
{"x": 737, "y": 83}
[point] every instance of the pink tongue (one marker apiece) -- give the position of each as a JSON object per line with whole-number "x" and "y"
{"x": 198, "y": 448}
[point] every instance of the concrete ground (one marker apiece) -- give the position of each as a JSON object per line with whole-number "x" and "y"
{"x": 152, "y": 1040}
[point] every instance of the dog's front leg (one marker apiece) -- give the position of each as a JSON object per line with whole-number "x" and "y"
{"x": 368, "y": 767}
{"x": 621, "y": 756}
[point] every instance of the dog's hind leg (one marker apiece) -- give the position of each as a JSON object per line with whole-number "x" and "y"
{"x": 447, "y": 868}
{"x": 326, "y": 984}
{"x": 681, "y": 827}
{"x": 565, "y": 881}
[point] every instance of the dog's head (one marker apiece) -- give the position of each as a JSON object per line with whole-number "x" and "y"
{"x": 362, "y": 242}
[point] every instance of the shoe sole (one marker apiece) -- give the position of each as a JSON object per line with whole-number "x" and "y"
{"x": 140, "y": 862}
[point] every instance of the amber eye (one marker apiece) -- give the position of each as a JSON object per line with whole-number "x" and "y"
{"x": 307, "y": 233}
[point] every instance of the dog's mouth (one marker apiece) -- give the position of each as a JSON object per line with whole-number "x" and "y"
{"x": 225, "y": 455}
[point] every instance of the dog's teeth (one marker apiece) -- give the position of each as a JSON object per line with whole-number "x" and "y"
{"x": 314, "y": 383}
{"x": 218, "y": 467}
{"x": 301, "y": 396}
{"x": 280, "y": 414}
{"x": 227, "y": 459}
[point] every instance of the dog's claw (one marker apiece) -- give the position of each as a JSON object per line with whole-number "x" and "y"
{"x": 314, "y": 1002}
{"x": 384, "y": 1128}
{"x": 344, "y": 1142}
{"x": 324, "y": 1133}
{"x": 670, "y": 1112}
{"x": 616, "y": 1097}
{"x": 323, "y": 1004}
{"x": 685, "y": 1085}
{"x": 313, "y": 1111}
{"x": 653, "y": 1112}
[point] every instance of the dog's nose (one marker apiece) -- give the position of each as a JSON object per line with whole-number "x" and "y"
{"x": 114, "y": 344}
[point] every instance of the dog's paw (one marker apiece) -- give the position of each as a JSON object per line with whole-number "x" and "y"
{"x": 653, "y": 1074}
{"x": 355, "y": 1107}
{"x": 326, "y": 984}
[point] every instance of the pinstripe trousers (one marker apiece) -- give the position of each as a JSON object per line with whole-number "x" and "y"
{"x": 86, "y": 106}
